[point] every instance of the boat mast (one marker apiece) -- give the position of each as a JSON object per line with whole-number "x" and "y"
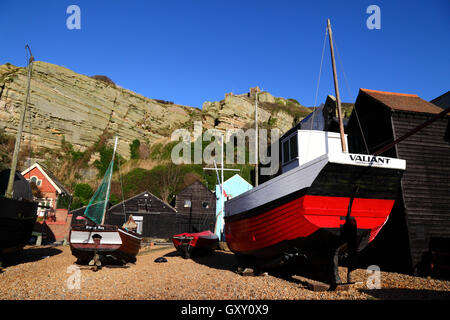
{"x": 336, "y": 88}
{"x": 12, "y": 173}
{"x": 109, "y": 184}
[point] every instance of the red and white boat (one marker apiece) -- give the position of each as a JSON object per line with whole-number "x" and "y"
{"x": 198, "y": 243}
{"x": 110, "y": 243}
{"x": 326, "y": 202}
{"x": 94, "y": 242}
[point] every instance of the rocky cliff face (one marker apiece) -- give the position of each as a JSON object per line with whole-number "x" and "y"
{"x": 238, "y": 111}
{"x": 80, "y": 109}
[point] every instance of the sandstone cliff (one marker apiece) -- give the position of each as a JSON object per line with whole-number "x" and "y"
{"x": 80, "y": 109}
{"x": 64, "y": 103}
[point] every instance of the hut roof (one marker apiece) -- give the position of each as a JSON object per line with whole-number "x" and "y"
{"x": 120, "y": 204}
{"x": 196, "y": 182}
{"x": 402, "y": 101}
{"x": 49, "y": 176}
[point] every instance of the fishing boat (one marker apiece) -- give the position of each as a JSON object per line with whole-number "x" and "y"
{"x": 17, "y": 214}
{"x": 327, "y": 203}
{"x": 18, "y": 211}
{"x": 94, "y": 242}
{"x": 192, "y": 244}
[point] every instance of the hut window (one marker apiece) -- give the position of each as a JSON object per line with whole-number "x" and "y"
{"x": 35, "y": 180}
{"x": 205, "y": 204}
{"x": 187, "y": 203}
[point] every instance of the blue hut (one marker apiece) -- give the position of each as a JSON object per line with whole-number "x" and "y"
{"x": 232, "y": 187}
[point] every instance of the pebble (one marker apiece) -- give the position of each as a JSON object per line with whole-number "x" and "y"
{"x": 207, "y": 278}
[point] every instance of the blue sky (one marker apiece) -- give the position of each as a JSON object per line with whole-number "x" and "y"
{"x": 193, "y": 51}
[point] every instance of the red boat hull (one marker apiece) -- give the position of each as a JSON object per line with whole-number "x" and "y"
{"x": 317, "y": 213}
{"x": 302, "y": 217}
{"x": 195, "y": 243}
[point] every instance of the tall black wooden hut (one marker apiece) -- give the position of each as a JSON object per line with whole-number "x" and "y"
{"x": 155, "y": 218}
{"x": 442, "y": 101}
{"x": 420, "y": 220}
{"x": 196, "y": 207}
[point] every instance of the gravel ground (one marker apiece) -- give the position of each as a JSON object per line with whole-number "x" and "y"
{"x": 42, "y": 273}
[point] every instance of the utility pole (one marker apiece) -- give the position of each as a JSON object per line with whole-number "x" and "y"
{"x": 336, "y": 88}
{"x": 12, "y": 173}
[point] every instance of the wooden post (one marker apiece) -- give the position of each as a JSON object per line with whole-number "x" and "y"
{"x": 336, "y": 88}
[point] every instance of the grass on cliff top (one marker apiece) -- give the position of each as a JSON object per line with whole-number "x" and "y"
{"x": 292, "y": 108}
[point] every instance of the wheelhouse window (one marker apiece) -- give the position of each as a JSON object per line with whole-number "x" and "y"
{"x": 290, "y": 149}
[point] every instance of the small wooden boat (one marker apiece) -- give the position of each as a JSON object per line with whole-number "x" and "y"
{"x": 199, "y": 243}
{"x": 110, "y": 243}
{"x": 94, "y": 242}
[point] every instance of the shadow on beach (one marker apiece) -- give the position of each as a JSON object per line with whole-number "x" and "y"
{"x": 29, "y": 254}
{"x": 223, "y": 260}
{"x": 218, "y": 259}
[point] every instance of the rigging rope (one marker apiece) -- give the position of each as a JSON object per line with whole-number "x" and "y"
{"x": 318, "y": 80}
{"x": 317, "y": 93}
{"x": 349, "y": 94}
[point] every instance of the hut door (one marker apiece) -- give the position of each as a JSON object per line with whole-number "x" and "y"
{"x": 140, "y": 222}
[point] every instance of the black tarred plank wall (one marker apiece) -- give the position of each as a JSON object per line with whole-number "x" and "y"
{"x": 426, "y": 182}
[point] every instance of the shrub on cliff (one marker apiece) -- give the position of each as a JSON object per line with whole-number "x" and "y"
{"x": 104, "y": 79}
{"x": 134, "y": 149}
